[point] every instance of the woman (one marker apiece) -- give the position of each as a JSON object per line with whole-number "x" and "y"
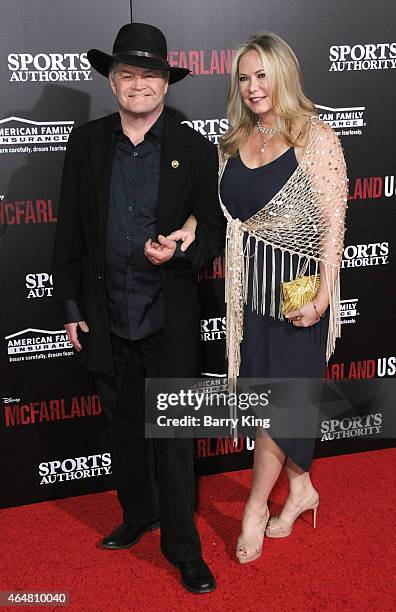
{"x": 283, "y": 188}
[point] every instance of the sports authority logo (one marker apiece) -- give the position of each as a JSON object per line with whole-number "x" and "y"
{"x": 212, "y": 129}
{"x": 381, "y": 367}
{"x": 203, "y": 61}
{"x": 31, "y": 344}
{"x": 362, "y": 255}
{"x": 77, "y": 468}
{"x": 351, "y": 427}
{"x": 348, "y": 311}
{"x": 379, "y": 56}
{"x": 347, "y": 121}
{"x": 53, "y": 67}
{"x": 213, "y": 329}
{"x": 18, "y": 413}
{"x": 372, "y": 187}
{"x": 40, "y": 285}
{"x": 18, "y": 135}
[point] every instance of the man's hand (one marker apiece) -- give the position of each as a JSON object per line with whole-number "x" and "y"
{"x": 71, "y": 329}
{"x": 159, "y": 252}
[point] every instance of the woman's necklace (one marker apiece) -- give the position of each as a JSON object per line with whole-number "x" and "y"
{"x": 266, "y": 130}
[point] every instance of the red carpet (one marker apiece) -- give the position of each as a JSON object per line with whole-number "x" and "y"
{"x": 346, "y": 564}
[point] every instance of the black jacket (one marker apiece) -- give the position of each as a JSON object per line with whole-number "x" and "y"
{"x": 79, "y": 250}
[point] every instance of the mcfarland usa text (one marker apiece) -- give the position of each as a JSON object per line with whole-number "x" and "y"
{"x": 17, "y": 413}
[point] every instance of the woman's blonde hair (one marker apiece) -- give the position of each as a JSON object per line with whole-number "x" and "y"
{"x": 283, "y": 74}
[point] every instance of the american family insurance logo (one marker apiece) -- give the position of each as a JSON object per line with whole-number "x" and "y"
{"x": 349, "y": 311}
{"x": 346, "y": 121}
{"x": 18, "y": 135}
{"x": 32, "y": 344}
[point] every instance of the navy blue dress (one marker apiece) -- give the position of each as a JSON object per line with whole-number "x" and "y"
{"x": 272, "y": 348}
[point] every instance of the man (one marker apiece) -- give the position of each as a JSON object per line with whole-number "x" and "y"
{"x": 128, "y": 291}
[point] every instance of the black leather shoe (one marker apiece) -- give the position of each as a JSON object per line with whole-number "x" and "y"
{"x": 196, "y": 577}
{"x": 124, "y": 537}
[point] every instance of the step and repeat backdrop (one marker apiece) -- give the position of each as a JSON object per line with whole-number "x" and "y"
{"x": 54, "y": 439}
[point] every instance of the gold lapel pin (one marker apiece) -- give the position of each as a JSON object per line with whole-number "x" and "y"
{"x": 175, "y": 163}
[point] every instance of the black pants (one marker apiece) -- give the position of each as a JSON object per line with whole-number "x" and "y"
{"x": 155, "y": 478}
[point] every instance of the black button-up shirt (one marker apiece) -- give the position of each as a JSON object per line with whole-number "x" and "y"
{"x": 135, "y": 299}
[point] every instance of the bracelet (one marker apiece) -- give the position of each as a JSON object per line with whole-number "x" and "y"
{"x": 317, "y": 311}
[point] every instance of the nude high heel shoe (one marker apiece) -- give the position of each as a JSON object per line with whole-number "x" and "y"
{"x": 278, "y": 527}
{"x": 248, "y": 550}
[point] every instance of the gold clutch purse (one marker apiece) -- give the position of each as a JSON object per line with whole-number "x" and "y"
{"x": 297, "y": 292}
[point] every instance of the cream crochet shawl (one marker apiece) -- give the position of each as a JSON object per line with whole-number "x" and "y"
{"x": 305, "y": 220}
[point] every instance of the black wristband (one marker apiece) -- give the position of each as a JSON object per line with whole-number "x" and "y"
{"x": 317, "y": 311}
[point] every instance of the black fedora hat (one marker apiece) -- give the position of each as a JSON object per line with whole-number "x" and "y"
{"x": 137, "y": 44}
